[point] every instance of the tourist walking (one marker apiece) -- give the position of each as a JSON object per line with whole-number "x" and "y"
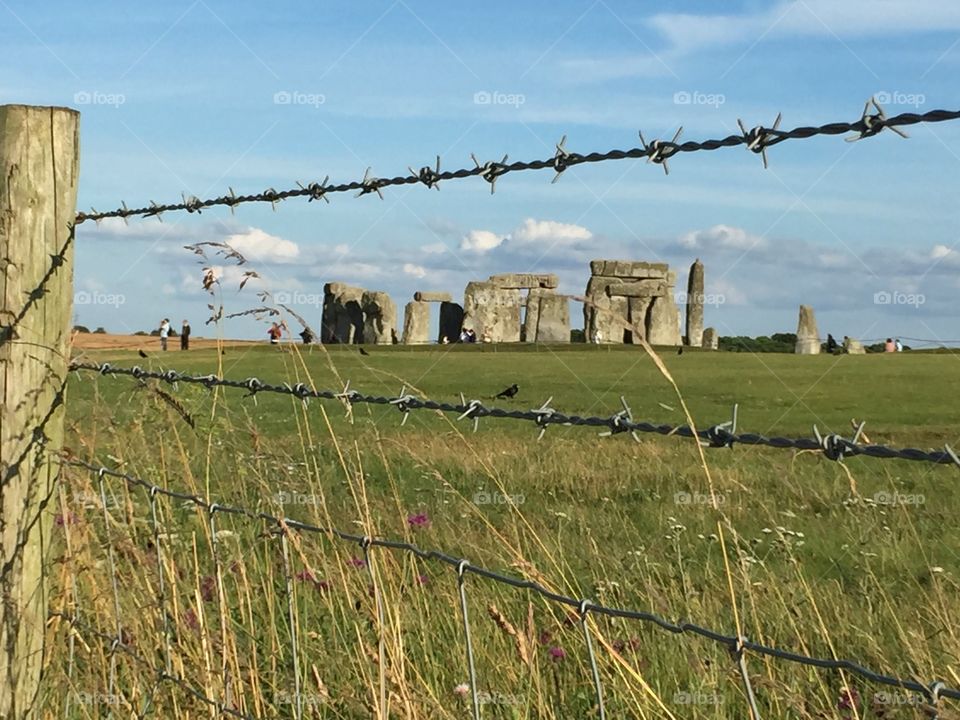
{"x": 275, "y": 333}
{"x": 889, "y": 346}
{"x": 164, "y": 333}
{"x": 185, "y": 336}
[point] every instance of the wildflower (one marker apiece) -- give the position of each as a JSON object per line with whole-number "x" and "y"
{"x": 849, "y": 699}
{"x": 304, "y": 575}
{"x": 422, "y": 579}
{"x": 357, "y": 562}
{"x": 69, "y": 519}
{"x": 557, "y": 653}
{"x": 322, "y": 585}
{"x": 462, "y": 690}
{"x": 190, "y": 619}
{"x": 420, "y": 520}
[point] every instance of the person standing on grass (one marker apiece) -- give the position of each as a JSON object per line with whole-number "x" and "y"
{"x": 275, "y": 333}
{"x": 889, "y": 346}
{"x": 164, "y": 333}
{"x": 898, "y": 345}
{"x": 185, "y": 336}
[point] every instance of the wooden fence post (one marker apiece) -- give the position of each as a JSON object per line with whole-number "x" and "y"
{"x": 38, "y": 192}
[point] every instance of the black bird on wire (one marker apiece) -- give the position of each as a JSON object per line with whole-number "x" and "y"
{"x": 364, "y": 352}
{"x": 142, "y": 353}
{"x": 509, "y": 392}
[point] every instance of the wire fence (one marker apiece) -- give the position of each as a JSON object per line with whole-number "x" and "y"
{"x": 723, "y": 435}
{"x": 738, "y": 646}
{"x": 757, "y": 140}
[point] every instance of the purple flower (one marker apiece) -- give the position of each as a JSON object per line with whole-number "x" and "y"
{"x": 69, "y": 519}
{"x": 557, "y": 653}
{"x": 190, "y": 619}
{"x": 357, "y": 562}
{"x": 322, "y": 585}
{"x": 304, "y": 575}
{"x": 422, "y": 579}
{"x": 420, "y": 520}
{"x": 849, "y": 699}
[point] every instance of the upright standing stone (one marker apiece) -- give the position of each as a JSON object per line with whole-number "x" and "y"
{"x": 695, "y": 304}
{"x": 451, "y": 321}
{"x": 416, "y": 323}
{"x": 343, "y": 313}
{"x": 808, "y": 337}
{"x": 39, "y": 150}
{"x": 853, "y": 347}
{"x": 548, "y": 317}
{"x": 379, "y": 318}
{"x": 710, "y": 340}
{"x": 604, "y": 314}
{"x": 492, "y": 311}
{"x": 663, "y": 320}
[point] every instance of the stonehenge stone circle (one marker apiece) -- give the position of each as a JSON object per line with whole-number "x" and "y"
{"x": 695, "y": 304}
{"x": 492, "y": 311}
{"x": 547, "y": 319}
{"x": 628, "y": 297}
{"x": 427, "y": 297}
{"x": 710, "y": 341}
{"x": 416, "y": 323}
{"x": 379, "y": 318}
{"x": 525, "y": 281}
{"x": 342, "y": 314}
{"x": 808, "y": 337}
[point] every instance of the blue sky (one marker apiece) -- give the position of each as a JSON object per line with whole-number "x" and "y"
{"x": 194, "y": 97}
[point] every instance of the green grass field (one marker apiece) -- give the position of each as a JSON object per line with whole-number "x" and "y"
{"x": 817, "y": 559}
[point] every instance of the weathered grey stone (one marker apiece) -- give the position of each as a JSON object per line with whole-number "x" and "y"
{"x": 710, "y": 340}
{"x": 695, "y": 304}
{"x": 638, "y": 289}
{"x": 663, "y": 321}
{"x": 628, "y": 269}
{"x": 524, "y": 281}
{"x": 853, "y": 347}
{"x": 342, "y": 313}
{"x": 427, "y": 296}
{"x": 808, "y": 337}
{"x": 492, "y": 311}
{"x": 451, "y": 321}
{"x": 416, "y": 323}
{"x": 604, "y": 314}
{"x": 380, "y": 318}
{"x": 547, "y": 319}
{"x": 638, "y": 311}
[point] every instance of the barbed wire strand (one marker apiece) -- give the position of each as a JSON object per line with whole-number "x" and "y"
{"x": 733, "y": 643}
{"x": 658, "y": 152}
{"x": 833, "y": 446}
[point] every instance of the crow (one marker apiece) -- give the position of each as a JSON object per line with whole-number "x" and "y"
{"x": 142, "y": 353}
{"x": 223, "y": 352}
{"x": 364, "y": 352}
{"x": 680, "y": 350}
{"x": 509, "y": 392}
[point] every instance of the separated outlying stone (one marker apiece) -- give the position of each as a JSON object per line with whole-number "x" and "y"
{"x": 416, "y": 323}
{"x": 422, "y": 296}
{"x": 451, "y": 321}
{"x": 548, "y": 317}
{"x": 853, "y": 347}
{"x": 695, "y": 304}
{"x": 525, "y": 281}
{"x": 808, "y": 337}
{"x": 711, "y": 341}
{"x": 492, "y": 312}
{"x": 342, "y": 313}
{"x": 628, "y": 269}
{"x": 380, "y": 318}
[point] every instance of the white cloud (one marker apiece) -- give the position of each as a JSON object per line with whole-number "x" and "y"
{"x": 721, "y": 236}
{"x": 341, "y": 249}
{"x": 436, "y": 248}
{"x": 259, "y": 246}
{"x": 417, "y": 271}
{"x": 548, "y": 232}
{"x": 481, "y": 241}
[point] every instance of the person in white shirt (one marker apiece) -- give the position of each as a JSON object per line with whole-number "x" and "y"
{"x": 164, "y": 333}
